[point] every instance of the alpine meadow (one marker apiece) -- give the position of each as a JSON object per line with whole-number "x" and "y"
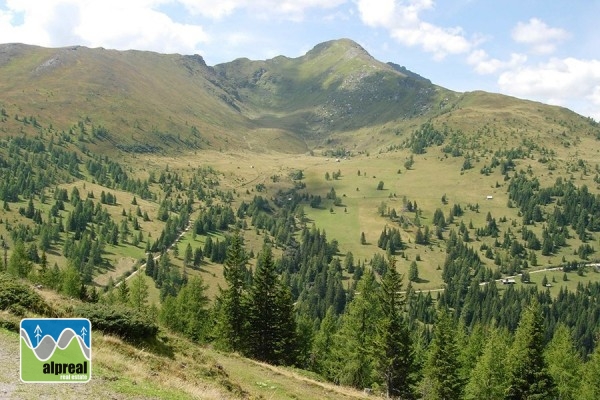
{"x": 322, "y": 227}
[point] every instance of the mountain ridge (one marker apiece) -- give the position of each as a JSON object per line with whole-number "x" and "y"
{"x": 167, "y": 103}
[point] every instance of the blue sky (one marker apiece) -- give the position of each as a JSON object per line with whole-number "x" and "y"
{"x": 547, "y": 51}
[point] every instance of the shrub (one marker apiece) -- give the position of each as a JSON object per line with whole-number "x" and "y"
{"x": 124, "y": 322}
{"x": 17, "y": 297}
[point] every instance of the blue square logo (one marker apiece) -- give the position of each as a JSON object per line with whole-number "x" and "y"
{"x": 56, "y": 350}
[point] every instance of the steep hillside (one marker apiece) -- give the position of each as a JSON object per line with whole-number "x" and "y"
{"x": 165, "y": 101}
{"x": 336, "y": 86}
{"x": 334, "y": 95}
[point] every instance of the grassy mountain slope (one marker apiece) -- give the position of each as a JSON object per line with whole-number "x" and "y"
{"x": 168, "y": 366}
{"x": 336, "y": 94}
{"x": 336, "y": 86}
{"x": 141, "y": 97}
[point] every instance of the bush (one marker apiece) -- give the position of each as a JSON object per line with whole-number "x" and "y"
{"x": 17, "y": 297}
{"x": 124, "y": 322}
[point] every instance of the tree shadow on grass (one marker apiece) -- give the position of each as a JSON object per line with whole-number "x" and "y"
{"x": 421, "y": 280}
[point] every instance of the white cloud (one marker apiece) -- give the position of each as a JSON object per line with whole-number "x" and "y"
{"x": 136, "y": 27}
{"x": 132, "y": 24}
{"x": 559, "y": 81}
{"x": 404, "y": 23}
{"x": 377, "y": 14}
{"x": 542, "y": 38}
{"x": 291, "y": 9}
{"x": 119, "y": 24}
{"x": 484, "y": 64}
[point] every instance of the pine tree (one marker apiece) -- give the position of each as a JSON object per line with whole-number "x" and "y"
{"x": 487, "y": 380}
{"x": 413, "y": 272}
{"x": 187, "y": 312}
{"x": 442, "y": 371}
{"x": 198, "y": 257}
{"x": 271, "y": 326}
{"x": 138, "y": 293}
{"x": 71, "y": 281}
{"x": 18, "y": 263}
{"x": 323, "y": 344}
{"x": 150, "y": 265}
{"x": 233, "y": 309}
{"x": 564, "y": 364}
{"x": 188, "y": 255}
{"x": 590, "y": 383}
{"x": 123, "y": 292}
{"x": 287, "y": 346}
{"x": 395, "y": 359}
{"x": 528, "y": 374}
{"x": 353, "y": 358}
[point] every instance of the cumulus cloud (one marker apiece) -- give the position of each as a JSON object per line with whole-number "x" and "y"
{"x": 131, "y": 24}
{"x": 291, "y": 9}
{"x": 136, "y": 27}
{"x": 558, "y": 81}
{"x": 404, "y": 23}
{"x": 542, "y": 38}
{"x": 483, "y": 64}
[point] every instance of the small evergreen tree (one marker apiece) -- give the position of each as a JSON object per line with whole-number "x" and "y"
{"x": 564, "y": 364}
{"x": 188, "y": 255}
{"x": 19, "y": 264}
{"x": 123, "y": 292}
{"x": 487, "y": 380}
{"x": 323, "y": 344}
{"x": 271, "y": 327}
{"x": 71, "y": 281}
{"x": 188, "y": 311}
{"x": 590, "y": 383}
{"x": 150, "y": 265}
{"x": 353, "y": 361}
{"x": 413, "y": 272}
{"x": 442, "y": 371}
{"x": 528, "y": 373}
{"x": 138, "y": 293}
{"x": 395, "y": 359}
{"x": 233, "y": 317}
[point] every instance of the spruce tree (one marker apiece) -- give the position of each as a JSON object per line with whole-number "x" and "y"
{"x": 487, "y": 380}
{"x": 590, "y": 384}
{"x": 287, "y": 346}
{"x": 353, "y": 351}
{"x": 70, "y": 281}
{"x": 394, "y": 355}
{"x": 442, "y": 372}
{"x": 188, "y": 255}
{"x": 18, "y": 264}
{"x": 528, "y": 373}
{"x": 323, "y": 344}
{"x": 138, "y": 293}
{"x": 271, "y": 326}
{"x": 188, "y": 312}
{"x": 123, "y": 292}
{"x": 564, "y": 364}
{"x": 233, "y": 312}
{"x": 150, "y": 265}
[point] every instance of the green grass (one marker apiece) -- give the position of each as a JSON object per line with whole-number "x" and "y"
{"x": 173, "y": 368}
